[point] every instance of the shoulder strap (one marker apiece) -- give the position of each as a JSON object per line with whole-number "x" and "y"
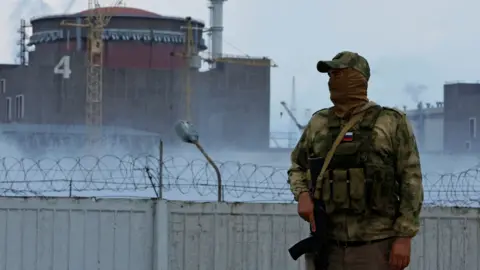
{"x": 354, "y": 120}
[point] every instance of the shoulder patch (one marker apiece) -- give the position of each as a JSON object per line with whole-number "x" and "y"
{"x": 398, "y": 111}
{"x": 322, "y": 112}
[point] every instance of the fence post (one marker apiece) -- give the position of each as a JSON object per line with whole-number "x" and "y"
{"x": 70, "y": 187}
{"x": 160, "y": 236}
{"x": 160, "y": 170}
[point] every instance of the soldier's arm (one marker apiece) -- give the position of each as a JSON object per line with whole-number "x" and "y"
{"x": 411, "y": 190}
{"x": 297, "y": 174}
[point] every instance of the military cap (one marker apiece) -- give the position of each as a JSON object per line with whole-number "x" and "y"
{"x": 346, "y": 60}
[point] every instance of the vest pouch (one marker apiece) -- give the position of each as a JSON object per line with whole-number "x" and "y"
{"x": 357, "y": 190}
{"x": 327, "y": 193}
{"x": 347, "y": 148}
{"x": 384, "y": 198}
{"x": 340, "y": 186}
{"x": 345, "y": 156}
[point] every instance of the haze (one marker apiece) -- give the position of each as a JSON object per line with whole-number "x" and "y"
{"x": 407, "y": 42}
{"x": 413, "y": 47}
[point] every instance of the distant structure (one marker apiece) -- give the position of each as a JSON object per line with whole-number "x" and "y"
{"x": 293, "y": 133}
{"x": 462, "y": 109}
{"x": 22, "y": 55}
{"x": 143, "y": 84}
{"x": 428, "y": 124}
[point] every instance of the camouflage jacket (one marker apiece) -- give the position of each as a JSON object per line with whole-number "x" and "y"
{"x": 392, "y": 134}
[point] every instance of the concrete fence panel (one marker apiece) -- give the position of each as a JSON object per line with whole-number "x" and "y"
{"x": 449, "y": 239}
{"x": 144, "y": 234}
{"x": 75, "y": 234}
{"x": 233, "y": 236}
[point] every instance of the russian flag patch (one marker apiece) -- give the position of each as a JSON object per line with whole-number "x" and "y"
{"x": 348, "y": 137}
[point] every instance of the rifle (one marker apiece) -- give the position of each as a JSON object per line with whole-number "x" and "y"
{"x": 317, "y": 242}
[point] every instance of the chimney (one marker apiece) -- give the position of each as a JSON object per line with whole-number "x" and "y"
{"x": 216, "y": 28}
{"x": 420, "y": 106}
{"x": 428, "y": 105}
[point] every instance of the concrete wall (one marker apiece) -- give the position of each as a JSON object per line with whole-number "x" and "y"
{"x": 234, "y": 111}
{"x": 427, "y": 125}
{"x": 433, "y": 141}
{"x": 461, "y": 104}
{"x": 69, "y": 233}
{"x": 230, "y": 105}
{"x": 430, "y": 139}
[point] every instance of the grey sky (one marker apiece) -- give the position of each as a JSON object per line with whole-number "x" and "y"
{"x": 406, "y": 42}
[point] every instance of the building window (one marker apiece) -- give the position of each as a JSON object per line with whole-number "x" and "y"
{"x": 472, "y": 126}
{"x": 19, "y": 106}
{"x": 8, "y": 109}
{"x": 3, "y": 86}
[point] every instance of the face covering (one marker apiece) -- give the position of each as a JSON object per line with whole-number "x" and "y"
{"x": 348, "y": 91}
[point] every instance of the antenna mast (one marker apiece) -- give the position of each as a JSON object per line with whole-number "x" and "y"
{"x": 293, "y": 108}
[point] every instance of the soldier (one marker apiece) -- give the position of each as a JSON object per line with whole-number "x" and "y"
{"x": 372, "y": 188}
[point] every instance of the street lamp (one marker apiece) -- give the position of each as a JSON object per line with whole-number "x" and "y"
{"x": 188, "y": 134}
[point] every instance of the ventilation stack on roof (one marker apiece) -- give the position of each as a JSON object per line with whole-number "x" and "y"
{"x": 216, "y": 29}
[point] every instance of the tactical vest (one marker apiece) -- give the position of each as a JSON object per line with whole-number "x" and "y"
{"x": 359, "y": 179}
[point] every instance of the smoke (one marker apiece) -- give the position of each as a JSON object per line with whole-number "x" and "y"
{"x": 414, "y": 91}
{"x": 13, "y": 11}
{"x": 29, "y": 8}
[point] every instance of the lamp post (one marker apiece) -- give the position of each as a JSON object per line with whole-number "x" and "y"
{"x": 188, "y": 134}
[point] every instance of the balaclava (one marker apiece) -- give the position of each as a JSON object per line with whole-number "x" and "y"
{"x": 348, "y": 91}
{"x": 348, "y": 83}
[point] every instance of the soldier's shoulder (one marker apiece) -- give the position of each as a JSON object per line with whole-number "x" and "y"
{"x": 322, "y": 112}
{"x": 393, "y": 112}
{"x": 390, "y": 118}
{"x": 319, "y": 119}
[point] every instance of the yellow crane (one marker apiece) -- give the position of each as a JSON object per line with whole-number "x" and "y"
{"x": 96, "y": 21}
{"x": 190, "y": 54}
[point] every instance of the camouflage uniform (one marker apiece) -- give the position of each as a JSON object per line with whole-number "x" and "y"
{"x": 373, "y": 186}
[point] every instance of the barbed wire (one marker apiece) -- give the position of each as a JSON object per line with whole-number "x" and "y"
{"x": 179, "y": 178}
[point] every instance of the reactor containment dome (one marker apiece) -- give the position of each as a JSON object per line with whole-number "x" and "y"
{"x": 144, "y": 82}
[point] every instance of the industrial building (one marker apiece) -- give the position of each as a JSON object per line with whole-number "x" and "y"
{"x": 148, "y": 79}
{"x": 449, "y": 126}
{"x": 427, "y": 122}
{"x": 462, "y": 110}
